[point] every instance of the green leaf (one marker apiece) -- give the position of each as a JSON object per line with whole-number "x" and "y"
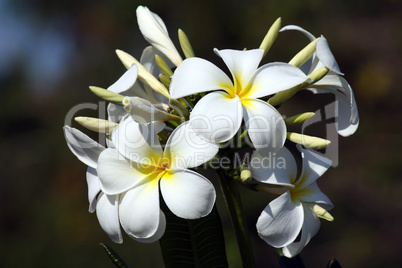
{"x": 116, "y": 259}
{"x": 193, "y": 243}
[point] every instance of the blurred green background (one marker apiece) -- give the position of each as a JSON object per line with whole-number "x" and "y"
{"x": 51, "y": 51}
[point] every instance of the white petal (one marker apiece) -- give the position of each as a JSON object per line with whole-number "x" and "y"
{"x": 149, "y": 16}
{"x": 109, "y": 143}
{"x": 93, "y": 188}
{"x": 126, "y": 81}
{"x": 242, "y": 64}
{"x": 139, "y": 90}
{"x": 300, "y": 29}
{"x": 217, "y": 117}
{"x": 186, "y": 149}
{"x": 329, "y": 83}
{"x": 83, "y": 147}
{"x": 275, "y": 168}
{"x": 159, "y": 232}
{"x": 188, "y": 194}
{"x": 154, "y": 31}
{"x": 308, "y": 66}
{"x": 143, "y": 111}
{"x": 137, "y": 142}
{"x": 314, "y": 195}
{"x": 117, "y": 175}
{"x": 115, "y": 113}
{"x": 311, "y": 225}
{"x": 195, "y": 75}
{"x": 127, "y": 85}
{"x": 139, "y": 210}
{"x": 325, "y": 55}
{"x": 281, "y": 221}
{"x": 265, "y": 125}
{"x": 313, "y": 167}
{"x": 346, "y": 122}
{"x": 346, "y": 113}
{"x": 107, "y": 213}
{"x": 274, "y": 77}
{"x": 149, "y": 62}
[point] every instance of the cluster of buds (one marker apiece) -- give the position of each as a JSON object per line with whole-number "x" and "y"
{"x": 162, "y": 123}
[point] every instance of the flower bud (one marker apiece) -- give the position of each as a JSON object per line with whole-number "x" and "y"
{"x": 154, "y": 31}
{"x": 308, "y": 141}
{"x": 185, "y": 45}
{"x": 322, "y": 213}
{"x": 299, "y": 118}
{"x": 96, "y": 124}
{"x": 107, "y": 94}
{"x": 163, "y": 66}
{"x": 271, "y": 35}
{"x": 304, "y": 54}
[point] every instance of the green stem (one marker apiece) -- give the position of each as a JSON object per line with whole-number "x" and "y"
{"x": 231, "y": 195}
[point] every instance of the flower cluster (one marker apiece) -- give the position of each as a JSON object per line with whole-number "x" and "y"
{"x": 161, "y": 124}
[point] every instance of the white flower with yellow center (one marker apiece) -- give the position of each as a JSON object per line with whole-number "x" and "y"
{"x": 138, "y": 167}
{"x": 296, "y": 211}
{"x": 106, "y": 206}
{"x": 217, "y": 116}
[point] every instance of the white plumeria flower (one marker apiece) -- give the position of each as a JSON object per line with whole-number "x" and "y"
{"x": 106, "y": 206}
{"x": 347, "y": 116}
{"x": 217, "y": 116}
{"x": 128, "y": 85}
{"x": 139, "y": 166}
{"x": 155, "y": 32}
{"x": 292, "y": 213}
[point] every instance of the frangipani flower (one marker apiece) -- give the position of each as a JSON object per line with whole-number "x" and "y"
{"x": 293, "y": 212}
{"x": 106, "y": 206}
{"x": 217, "y": 116}
{"x": 155, "y": 32}
{"x": 346, "y": 114}
{"x": 139, "y": 166}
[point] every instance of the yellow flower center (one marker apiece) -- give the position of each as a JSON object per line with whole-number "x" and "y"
{"x": 164, "y": 163}
{"x": 297, "y": 192}
{"x": 239, "y": 89}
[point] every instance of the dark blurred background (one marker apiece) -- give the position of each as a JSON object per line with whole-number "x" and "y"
{"x": 51, "y": 51}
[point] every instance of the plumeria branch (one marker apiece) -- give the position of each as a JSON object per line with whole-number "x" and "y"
{"x": 233, "y": 202}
